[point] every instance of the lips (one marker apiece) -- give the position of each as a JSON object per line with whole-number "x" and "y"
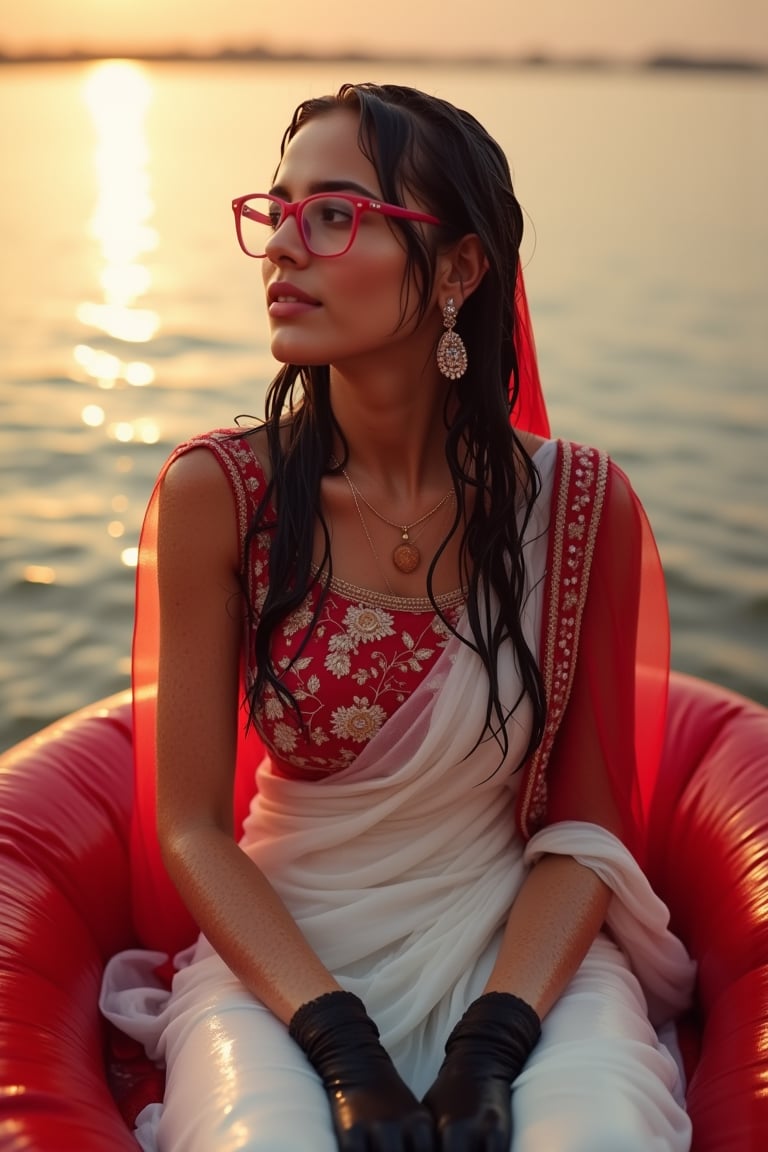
{"x": 281, "y": 292}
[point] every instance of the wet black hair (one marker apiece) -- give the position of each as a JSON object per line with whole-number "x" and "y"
{"x": 442, "y": 157}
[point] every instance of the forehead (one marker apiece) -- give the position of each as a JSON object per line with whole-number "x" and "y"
{"x": 326, "y": 148}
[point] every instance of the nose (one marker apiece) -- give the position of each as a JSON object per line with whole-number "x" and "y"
{"x": 286, "y": 242}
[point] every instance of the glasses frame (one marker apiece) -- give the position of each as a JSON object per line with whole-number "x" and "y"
{"x": 296, "y": 208}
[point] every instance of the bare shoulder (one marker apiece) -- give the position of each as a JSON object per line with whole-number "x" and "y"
{"x": 197, "y": 516}
{"x": 194, "y": 477}
{"x": 531, "y": 442}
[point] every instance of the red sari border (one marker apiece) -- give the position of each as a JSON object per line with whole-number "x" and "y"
{"x": 578, "y": 498}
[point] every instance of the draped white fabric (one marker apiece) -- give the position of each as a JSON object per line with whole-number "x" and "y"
{"x": 400, "y": 871}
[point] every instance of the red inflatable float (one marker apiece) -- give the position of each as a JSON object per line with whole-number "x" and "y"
{"x": 65, "y": 907}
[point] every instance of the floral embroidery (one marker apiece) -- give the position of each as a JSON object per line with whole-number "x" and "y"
{"x": 439, "y": 628}
{"x": 363, "y": 625}
{"x": 352, "y": 645}
{"x": 284, "y": 737}
{"x": 367, "y": 624}
{"x": 273, "y": 705}
{"x": 358, "y": 723}
{"x": 299, "y": 620}
{"x": 337, "y": 660}
{"x": 357, "y": 644}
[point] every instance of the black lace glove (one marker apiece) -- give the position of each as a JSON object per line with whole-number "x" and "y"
{"x": 372, "y": 1109}
{"x": 471, "y": 1098}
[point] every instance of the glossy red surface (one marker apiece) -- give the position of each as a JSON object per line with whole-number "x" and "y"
{"x": 65, "y": 803}
{"x": 65, "y": 906}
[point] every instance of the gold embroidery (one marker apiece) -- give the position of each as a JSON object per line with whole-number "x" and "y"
{"x": 446, "y": 601}
{"x": 582, "y": 487}
{"x": 363, "y": 646}
{"x": 360, "y": 723}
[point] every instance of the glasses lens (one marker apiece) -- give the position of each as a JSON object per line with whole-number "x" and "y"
{"x": 327, "y": 224}
{"x": 259, "y": 217}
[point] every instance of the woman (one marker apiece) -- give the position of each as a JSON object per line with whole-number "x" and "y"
{"x": 406, "y": 949}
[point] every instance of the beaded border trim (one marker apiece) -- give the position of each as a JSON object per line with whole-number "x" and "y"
{"x": 580, "y": 495}
{"x": 387, "y": 600}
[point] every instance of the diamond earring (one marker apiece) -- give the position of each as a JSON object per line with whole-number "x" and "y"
{"x": 451, "y": 352}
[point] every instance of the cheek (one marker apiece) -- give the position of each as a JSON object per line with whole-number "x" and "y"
{"x": 373, "y": 288}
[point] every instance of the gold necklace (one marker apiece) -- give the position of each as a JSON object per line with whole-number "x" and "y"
{"x": 368, "y": 535}
{"x": 406, "y": 557}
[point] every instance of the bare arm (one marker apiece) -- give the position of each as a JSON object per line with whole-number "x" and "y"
{"x": 553, "y": 922}
{"x": 562, "y": 904}
{"x": 201, "y": 613}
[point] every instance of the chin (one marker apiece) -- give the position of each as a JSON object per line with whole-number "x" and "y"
{"x": 286, "y": 349}
{"x": 298, "y": 357}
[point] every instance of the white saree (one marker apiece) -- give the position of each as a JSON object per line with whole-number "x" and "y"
{"x": 400, "y": 871}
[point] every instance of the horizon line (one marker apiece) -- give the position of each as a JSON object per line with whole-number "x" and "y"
{"x": 662, "y": 60}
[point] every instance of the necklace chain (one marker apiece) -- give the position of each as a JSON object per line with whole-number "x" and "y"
{"x": 406, "y": 557}
{"x": 367, "y": 533}
{"x": 404, "y": 528}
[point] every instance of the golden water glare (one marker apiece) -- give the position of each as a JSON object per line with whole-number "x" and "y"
{"x": 118, "y": 95}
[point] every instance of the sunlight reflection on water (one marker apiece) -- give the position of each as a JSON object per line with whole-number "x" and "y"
{"x": 118, "y": 95}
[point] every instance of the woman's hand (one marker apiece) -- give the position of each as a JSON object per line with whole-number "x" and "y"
{"x": 471, "y": 1098}
{"x": 372, "y": 1109}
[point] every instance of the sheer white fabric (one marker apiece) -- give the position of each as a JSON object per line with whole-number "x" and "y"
{"x": 400, "y": 871}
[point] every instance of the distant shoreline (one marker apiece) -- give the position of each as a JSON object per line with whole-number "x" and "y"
{"x": 258, "y": 55}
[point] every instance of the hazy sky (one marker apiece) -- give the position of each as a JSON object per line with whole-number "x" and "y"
{"x": 625, "y": 28}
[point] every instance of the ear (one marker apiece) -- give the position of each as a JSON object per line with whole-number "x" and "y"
{"x": 460, "y": 269}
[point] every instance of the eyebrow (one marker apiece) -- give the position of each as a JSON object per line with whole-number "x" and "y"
{"x": 328, "y": 186}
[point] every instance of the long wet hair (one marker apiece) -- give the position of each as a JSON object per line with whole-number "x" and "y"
{"x": 446, "y": 161}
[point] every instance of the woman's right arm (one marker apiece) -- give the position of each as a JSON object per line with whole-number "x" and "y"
{"x": 201, "y": 629}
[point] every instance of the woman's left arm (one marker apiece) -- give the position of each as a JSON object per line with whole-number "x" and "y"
{"x": 561, "y": 905}
{"x": 558, "y": 913}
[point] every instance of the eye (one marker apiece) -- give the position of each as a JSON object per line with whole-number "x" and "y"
{"x": 331, "y": 211}
{"x": 335, "y": 216}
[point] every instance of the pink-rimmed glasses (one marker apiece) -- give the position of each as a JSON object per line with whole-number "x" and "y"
{"x": 327, "y": 221}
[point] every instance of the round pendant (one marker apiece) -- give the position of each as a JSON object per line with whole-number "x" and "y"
{"x": 406, "y": 558}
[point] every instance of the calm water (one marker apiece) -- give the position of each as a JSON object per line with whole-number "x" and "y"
{"x": 129, "y": 319}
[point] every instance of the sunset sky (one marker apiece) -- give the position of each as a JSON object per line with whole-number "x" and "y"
{"x": 621, "y": 28}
